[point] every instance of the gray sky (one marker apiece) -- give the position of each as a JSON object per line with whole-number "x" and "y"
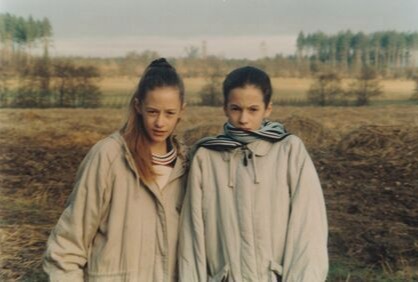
{"x": 232, "y": 28}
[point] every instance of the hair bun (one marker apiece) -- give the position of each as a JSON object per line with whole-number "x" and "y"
{"x": 160, "y": 63}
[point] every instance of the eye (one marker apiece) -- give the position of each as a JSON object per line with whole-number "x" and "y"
{"x": 253, "y": 110}
{"x": 235, "y": 109}
{"x": 152, "y": 112}
{"x": 171, "y": 113}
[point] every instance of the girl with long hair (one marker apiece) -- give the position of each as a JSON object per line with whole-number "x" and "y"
{"x": 121, "y": 220}
{"x": 254, "y": 208}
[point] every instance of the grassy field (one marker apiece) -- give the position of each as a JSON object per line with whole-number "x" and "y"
{"x": 287, "y": 91}
{"x": 119, "y": 89}
{"x": 366, "y": 158}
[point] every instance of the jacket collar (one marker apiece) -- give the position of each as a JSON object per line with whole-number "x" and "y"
{"x": 179, "y": 168}
{"x": 260, "y": 147}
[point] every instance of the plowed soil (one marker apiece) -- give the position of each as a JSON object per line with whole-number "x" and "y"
{"x": 367, "y": 160}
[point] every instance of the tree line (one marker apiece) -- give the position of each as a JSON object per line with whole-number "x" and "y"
{"x": 386, "y": 51}
{"x": 41, "y": 81}
{"x": 19, "y": 36}
{"x": 72, "y": 81}
{"x": 19, "y": 31}
{"x": 391, "y": 53}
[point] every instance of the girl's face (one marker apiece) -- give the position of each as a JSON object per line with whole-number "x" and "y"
{"x": 161, "y": 110}
{"x": 245, "y": 108}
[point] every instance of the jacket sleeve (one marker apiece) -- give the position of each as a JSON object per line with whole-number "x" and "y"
{"x": 306, "y": 256}
{"x": 69, "y": 242}
{"x": 192, "y": 254}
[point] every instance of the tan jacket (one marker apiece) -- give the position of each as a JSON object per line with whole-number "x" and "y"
{"x": 257, "y": 222}
{"x": 115, "y": 228}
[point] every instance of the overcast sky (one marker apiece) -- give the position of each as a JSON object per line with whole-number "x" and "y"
{"x": 231, "y": 28}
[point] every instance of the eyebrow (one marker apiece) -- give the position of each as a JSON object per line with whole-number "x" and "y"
{"x": 155, "y": 109}
{"x": 250, "y": 106}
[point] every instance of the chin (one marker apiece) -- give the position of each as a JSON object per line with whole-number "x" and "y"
{"x": 158, "y": 139}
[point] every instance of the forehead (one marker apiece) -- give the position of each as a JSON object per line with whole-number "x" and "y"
{"x": 165, "y": 97}
{"x": 246, "y": 96}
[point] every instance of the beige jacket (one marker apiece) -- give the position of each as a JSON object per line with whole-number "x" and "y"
{"x": 115, "y": 228}
{"x": 257, "y": 222}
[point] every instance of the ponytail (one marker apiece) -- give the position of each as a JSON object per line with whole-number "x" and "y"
{"x": 159, "y": 73}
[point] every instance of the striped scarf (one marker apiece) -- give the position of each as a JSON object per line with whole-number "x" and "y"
{"x": 235, "y": 137}
{"x": 166, "y": 159}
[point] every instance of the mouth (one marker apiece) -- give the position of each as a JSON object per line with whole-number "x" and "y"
{"x": 159, "y": 132}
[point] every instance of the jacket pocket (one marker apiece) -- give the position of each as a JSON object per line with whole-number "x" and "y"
{"x": 276, "y": 272}
{"x": 221, "y": 276}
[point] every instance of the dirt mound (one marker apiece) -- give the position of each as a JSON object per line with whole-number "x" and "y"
{"x": 313, "y": 134}
{"x": 372, "y": 209}
{"x": 370, "y": 185}
{"x": 389, "y": 142}
{"x": 192, "y": 135}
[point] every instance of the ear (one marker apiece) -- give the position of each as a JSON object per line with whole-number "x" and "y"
{"x": 182, "y": 108}
{"x": 137, "y": 106}
{"x": 181, "y": 112}
{"x": 268, "y": 110}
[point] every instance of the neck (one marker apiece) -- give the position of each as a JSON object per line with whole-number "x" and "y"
{"x": 159, "y": 148}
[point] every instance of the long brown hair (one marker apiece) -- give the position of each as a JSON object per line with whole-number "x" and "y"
{"x": 158, "y": 74}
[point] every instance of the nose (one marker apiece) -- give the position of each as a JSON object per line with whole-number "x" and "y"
{"x": 159, "y": 122}
{"x": 243, "y": 119}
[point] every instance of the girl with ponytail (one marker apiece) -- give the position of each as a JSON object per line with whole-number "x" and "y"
{"x": 254, "y": 209}
{"x": 121, "y": 220}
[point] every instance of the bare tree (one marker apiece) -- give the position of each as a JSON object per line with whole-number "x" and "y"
{"x": 326, "y": 89}
{"x": 414, "y": 96}
{"x": 34, "y": 85}
{"x": 192, "y": 52}
{"x": 76, "y": 86}
{"x": 4, "y": 87}
{"x": 365, "y": 87}
{"x": 211, "y": 92}
{"x": 88, "y": 93}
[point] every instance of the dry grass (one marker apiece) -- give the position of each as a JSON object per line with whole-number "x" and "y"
{"x": 366, "y": 158}
{"x": 57, "y": 127}
{"x": 118, "y": 90}
{"x": 19, "y": 242}
{"x": 381, "y": 141}
{"x": 393, "y": 89}
{"x": 120, "y": 84}
{"x": 397, "y": 89}
{"x": 290, "y": 88}
{"x": 284, "y": 88}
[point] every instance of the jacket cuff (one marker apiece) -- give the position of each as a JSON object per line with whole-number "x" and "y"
{"x": 72, "y": 276}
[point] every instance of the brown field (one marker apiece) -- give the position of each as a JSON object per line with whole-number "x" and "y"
{"x": 367, "y": 159}
{"x": 284, "y": 88}
{"x": 117, "y": 90}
